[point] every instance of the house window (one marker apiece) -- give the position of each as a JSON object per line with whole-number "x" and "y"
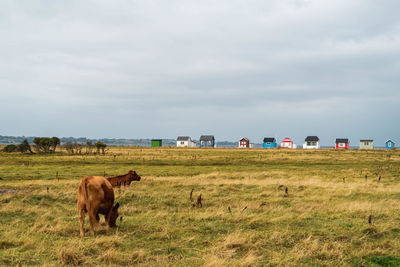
{"x": 202, "y": 142}
{"x": 389, "y": 144}
{"x": 182, "y": 142}
{"x": 209, "y": 142}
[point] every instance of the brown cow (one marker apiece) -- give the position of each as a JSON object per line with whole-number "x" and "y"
{"x": 96, "y": 196}
{"x": 124, "y": 180}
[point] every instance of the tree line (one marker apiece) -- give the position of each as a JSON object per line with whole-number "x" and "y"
{"x": 49, "y": 145}
{"x": 88, "y": 148}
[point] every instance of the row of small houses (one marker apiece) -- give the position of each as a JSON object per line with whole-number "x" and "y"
{"x": 186, "y": 141}
{"x": 311, "y": 142}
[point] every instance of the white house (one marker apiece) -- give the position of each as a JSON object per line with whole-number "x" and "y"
{"x": 288, "y": 143}
{"x": 185, "y": 141}
{"x": 311, "y": 142}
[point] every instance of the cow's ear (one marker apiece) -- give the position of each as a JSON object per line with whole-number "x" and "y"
{"x": 116, "y": 206}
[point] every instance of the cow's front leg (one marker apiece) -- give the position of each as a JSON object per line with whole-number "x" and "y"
{"x": 107, "y": 219}
{"x": 94, "y": 223}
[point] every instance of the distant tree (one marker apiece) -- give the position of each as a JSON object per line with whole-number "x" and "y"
{"x": 42, "y": 144}
{"x": 100, "y": 146}
{"x": 69, "y": 146}
{"x": 78, "y": 148}
{"x": 89, "y": 147}
{"x": 46, "y": 144}
{"x": 25, "y": 147}
{"x": 36, "y": 141}
{"x": 74, "y": 148}
{"x": 54, "y": 142}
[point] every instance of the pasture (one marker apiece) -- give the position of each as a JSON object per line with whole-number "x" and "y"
{"x": 336, "y": 211}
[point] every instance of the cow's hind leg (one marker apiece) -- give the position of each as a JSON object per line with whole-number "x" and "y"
{"x": 82, "y": 221}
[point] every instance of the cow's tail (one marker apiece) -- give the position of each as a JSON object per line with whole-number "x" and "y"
{"x": 86, "y": 193}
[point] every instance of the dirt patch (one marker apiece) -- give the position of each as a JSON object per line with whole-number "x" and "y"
{"x": 7, "y": 191}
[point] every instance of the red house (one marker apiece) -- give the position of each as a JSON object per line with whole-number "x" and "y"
{"x": 288, "y": 143}
{"x": 244, "y": 143}
{"x": 342, "y": 143}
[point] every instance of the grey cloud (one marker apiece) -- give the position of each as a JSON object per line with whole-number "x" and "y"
{"x": 229, "y": 67}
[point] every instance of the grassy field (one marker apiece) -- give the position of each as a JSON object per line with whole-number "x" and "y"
{"x": 323, "y": 220}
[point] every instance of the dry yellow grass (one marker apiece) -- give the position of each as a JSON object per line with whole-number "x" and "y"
{"x": 323, "y": 220}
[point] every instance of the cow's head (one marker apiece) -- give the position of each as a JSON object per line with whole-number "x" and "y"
{"x": 113, "y": 215}
{"x": 133, "y": 176}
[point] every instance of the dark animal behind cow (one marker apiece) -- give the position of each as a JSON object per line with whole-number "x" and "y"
{"x": 124, "y": 180}
{"x": 96, "y": 196}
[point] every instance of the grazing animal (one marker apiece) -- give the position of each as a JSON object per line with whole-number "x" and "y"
{"x": 96, "y": 196}
{"x": 286, "y": 191}
{"x": 370, "y": 219}
{"x": 262, "y": 204}
{"x": 124, "y": 180}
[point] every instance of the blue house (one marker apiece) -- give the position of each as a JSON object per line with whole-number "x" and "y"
{"x": 269, "y": 142}
{"x": 389, "y": 144}
{"x": 207, "y": 141}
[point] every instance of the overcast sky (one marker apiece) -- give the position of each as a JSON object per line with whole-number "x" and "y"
{"x": 159, "y": 69}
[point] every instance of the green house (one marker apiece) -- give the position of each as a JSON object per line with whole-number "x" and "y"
{"x": 156, "y": 142}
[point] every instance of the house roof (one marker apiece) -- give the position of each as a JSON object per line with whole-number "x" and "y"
{"x": 183, "y": 138}
{"x": 245, "y": 139}
{"x": 390, "y": 140}
{"x": 312, "y": 139}
{"x": 156, "y": 140}
{"x": 269, "y": 139}
{"x": 342, "y": 140}
{"x": 207, "y": 138}
{"x": 366, "y": 140}
{"x": 287, "y": 140}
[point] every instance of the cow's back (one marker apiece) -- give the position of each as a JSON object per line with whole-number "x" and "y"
{"x": 95, "y": 191}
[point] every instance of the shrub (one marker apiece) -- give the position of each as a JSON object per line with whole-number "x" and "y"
{"x": 10, "y": 148}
